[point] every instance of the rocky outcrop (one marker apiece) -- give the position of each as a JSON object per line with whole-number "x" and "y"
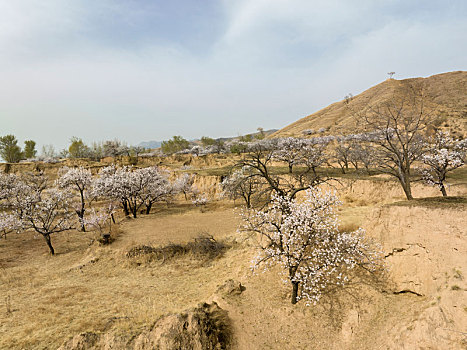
{"x": 230, "y": 288}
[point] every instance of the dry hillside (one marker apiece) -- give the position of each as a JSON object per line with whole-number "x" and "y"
{"x": 446, "y": 96}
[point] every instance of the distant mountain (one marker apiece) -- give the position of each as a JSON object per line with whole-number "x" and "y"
{"x": 446, "y": 95}
{"x": 150, "y": 144}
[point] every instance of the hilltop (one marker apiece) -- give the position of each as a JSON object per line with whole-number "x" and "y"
{"x": 446, "y": 95}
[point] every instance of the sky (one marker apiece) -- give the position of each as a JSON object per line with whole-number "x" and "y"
{"x": 139, "y": 70}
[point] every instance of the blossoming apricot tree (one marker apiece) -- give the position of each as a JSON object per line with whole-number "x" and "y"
{"x": 445, "y": 154}
{"x": 303, "y": 238}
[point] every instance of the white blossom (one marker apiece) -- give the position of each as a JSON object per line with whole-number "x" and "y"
{"x": 133, "y": 188}
{"x": 184, "y": 184}
{"x": 444, "y": 155}
{"x": 101, "y": 219}
{"x": 8, "y": 223}
{"x": 303, "y": 238}
{"x": 78, "y": 180}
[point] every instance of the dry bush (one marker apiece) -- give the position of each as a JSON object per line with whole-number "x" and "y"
{"x": 150, "y": 253}
{"x": 204, "y": 247}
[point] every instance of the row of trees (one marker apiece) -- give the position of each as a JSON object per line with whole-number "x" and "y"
{"x": 32, "y": 202}
{"x": 392, "y": 147}
{"x": 11, "y": 152}
{"x": 431, "y": 159}
{"x": 99, "y": 150}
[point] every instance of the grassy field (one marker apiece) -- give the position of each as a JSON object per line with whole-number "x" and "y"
{"x": 88, "y": 287}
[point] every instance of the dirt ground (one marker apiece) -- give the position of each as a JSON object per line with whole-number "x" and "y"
{"x": 46, "y": 300}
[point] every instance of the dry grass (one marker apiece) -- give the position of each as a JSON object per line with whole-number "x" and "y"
{"x": 48, "y": 299}
{"x": 178, "y": 224}
{"x": 351, "y": 218}
{"x": 454, "y": 202}
{"x": 88, "y": 287}
{"x": 446, "y": 95}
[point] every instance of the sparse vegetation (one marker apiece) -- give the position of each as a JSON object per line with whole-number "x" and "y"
{"x": 176, "y": 144}
{"x": 9, "y": 149}
{"x": 29, "y": 149}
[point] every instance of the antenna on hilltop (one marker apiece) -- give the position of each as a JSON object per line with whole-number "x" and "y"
{"x": 391, "y": 74}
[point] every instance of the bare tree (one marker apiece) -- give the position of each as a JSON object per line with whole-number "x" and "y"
{"x": 396, "y": 130}
{"x": 342, "y": 153}
{"x": 261, "y": 154}
{"x": 240, "y": 184}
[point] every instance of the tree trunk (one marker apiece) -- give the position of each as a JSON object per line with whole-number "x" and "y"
{"x": 125, "y": 208}
{"x": 405, "y": 182}
{"x": 81, "y": 220}
{"x": 403, "y": 175}
{"x": 81, "y": 212}
{"x": 407, "y": 191}
{"x": 148, "y": 208}
{"x": 49, "y": 243}
{"x": 290, "y": 168}
{"x": 443, "y": 190}
{"x": 133, "y": 208}
{"x": 295, "y": 292}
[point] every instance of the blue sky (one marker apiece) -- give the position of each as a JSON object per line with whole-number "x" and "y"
{"x": 146, "y": 70}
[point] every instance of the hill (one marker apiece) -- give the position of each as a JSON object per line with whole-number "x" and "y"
{"x": 150, "y": 144}
{"x": 446, "y": 96}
